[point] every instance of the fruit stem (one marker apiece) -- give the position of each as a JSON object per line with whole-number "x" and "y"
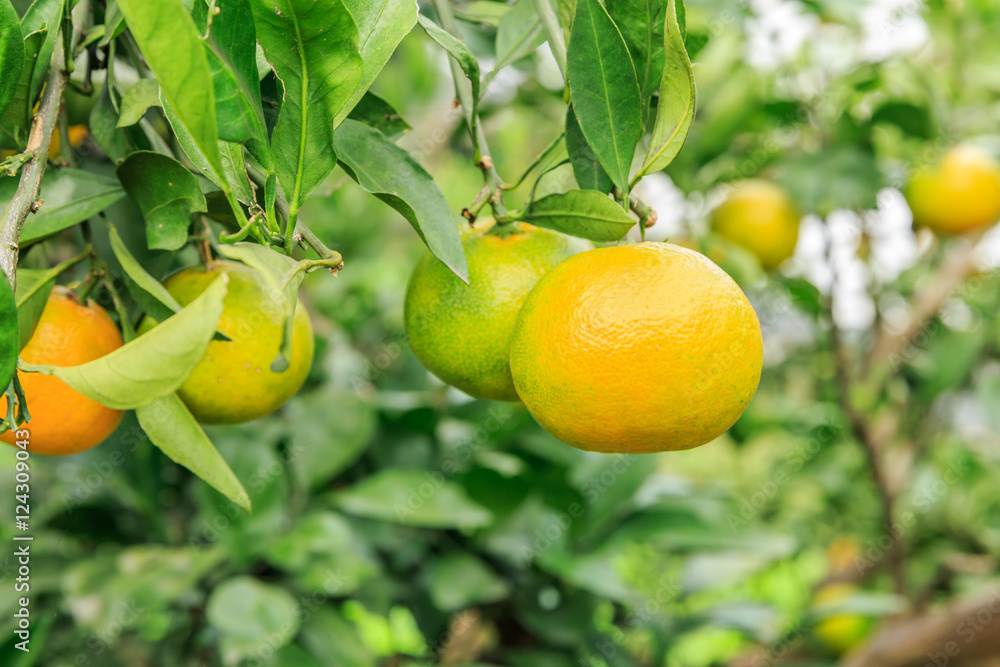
{"x": 647, "y": 216}
{"x": 301, "y": 231}
{"x": 25, "y": 199}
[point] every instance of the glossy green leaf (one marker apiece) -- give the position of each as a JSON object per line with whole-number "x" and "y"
{"x": 70, "y": 196}
{"x": 149, "y": 292}
{"x": 113, "y": 140}
{"x": 171, "y": 427}
{"x": 519, "y": 34}
{"x": 584, "y": 213}
{"x": 230, "y": 174}
{"x": 382, "y": 25}
{"x": 166, "y": 192}
{"x": 678, "y": 99}
{"x": 364, "y": 152}
{"x": 374, "y": 111}
{"x": 251, "y": 618}
{"x": 590, "y": 175}
{"x": 460, "y": 580}
{"x": 33, "y": 288}
{"x": 604, "y": 90}
{"x": 11, "y": 56}
{"x": 9, "y": 333}
{"x": 467, "y": 95}
{"x": 279, "y": 271}
{"x": 415, "y": 498}
{"x": 180, "y": 65}
{"x": 482, "y": 11}
{"x": 153, "y": 365}
{"x": 20, "y": 107}
{"x": 47, "y": 15}
{"x": 137, "y": 100}
{"x": 641, "y": 24}
{"x": 313, "y": 48}
{"x": 232, "y": 57}
{"x": 114, "y": 23}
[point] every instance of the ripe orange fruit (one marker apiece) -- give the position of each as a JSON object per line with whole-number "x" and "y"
{"x": 759, "y": 216}
{"x": 68, "y": 333}
{"x": 234, "y": 381}
{"x": 635, "y": 349}
{"x": 960, "y": 194}
{"x": 460, "y": 332}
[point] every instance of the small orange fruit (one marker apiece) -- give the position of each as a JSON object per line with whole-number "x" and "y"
{"x": 840, "y": 632}
{"x": 636, "y": 349}
{"x": 69, "y": 333}
{"x": 960, "y": 194}
{"x": 461, "y": 332}
{"x": 759, "y": 216}
{"x": 77, "y": 135}
{"x": 234, "y": 381}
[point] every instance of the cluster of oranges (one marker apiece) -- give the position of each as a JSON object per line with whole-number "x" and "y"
{"x": 635, "y": 348}
{"x": 232, "y": 383}
{"x": 639, "y": 348}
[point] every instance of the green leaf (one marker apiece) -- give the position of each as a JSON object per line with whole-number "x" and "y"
{"x": 167, "y": 194}
{"x": 180, "y": 65}
{"x": 641, "y": 24}
{"x": 414, "y": 498}
{"x": 230, "y": 174}
{"x": 461, "y": 580}
{"x": 382, "y": 25}
{"x": 584, "y": 213}
{"x": 232, "y": 58}
{"x": 324, "y": 553}
{"x": 70, "y": 197}
{"x": 20, "y": 107}
{"x": 251, "y": 617}
{"x": 519, "y": 34}
{"x": 280, "y": 273}
{"x": 150, "y": 293}
{"x": 313, "y": 48}
{"x": 114, "y": 24}
{"x": 482, "y": 11}
{"x": 678, "y": 98}
{"x": 9, "y": 333}
{"x": 333, "y": 429}
{"x": 137, "y": 101}
{"x": 469, "y": 97}
{"x": 47, "y": 15}
{"x": 590, "y": 175}
{"x": 33, "y": 288}
{"x": 153, "y": 365}
{"x": 364, "y": 153}
{"x": 171, "y": 427}
{"x": 114, "y": 141}
{"x": 604, "y": 89}
{"x": 11, "y": 57}
{"x": 372, "y": 110}
{"x": 838, "y": 178}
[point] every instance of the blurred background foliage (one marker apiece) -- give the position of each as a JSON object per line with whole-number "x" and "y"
{"x": 398, "y": 522}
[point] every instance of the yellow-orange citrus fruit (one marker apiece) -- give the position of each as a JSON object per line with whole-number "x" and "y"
{"x": 759, "y": 216}
{"x": 838, "y": 632}
{"x": 77, "y": 135}
{"x": 960, "y": 194}
{"x": 460, "y": 332}
{"x": 64, "y": 421}
{"x": 641, "y": 348}
{"x": 234, "y": 381}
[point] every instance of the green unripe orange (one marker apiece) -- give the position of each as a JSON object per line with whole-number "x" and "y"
{"x": 460, "y": 332}
{"x": 234, "y": 381}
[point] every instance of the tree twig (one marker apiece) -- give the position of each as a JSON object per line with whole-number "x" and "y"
{"x": 865, "y": 435}
{"x": 483, "y": 157}
{"x": 43, "y": 123}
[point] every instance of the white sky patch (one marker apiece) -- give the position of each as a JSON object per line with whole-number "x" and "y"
{"x": 777, "y": 31}
{"x": 892, "y": 27}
